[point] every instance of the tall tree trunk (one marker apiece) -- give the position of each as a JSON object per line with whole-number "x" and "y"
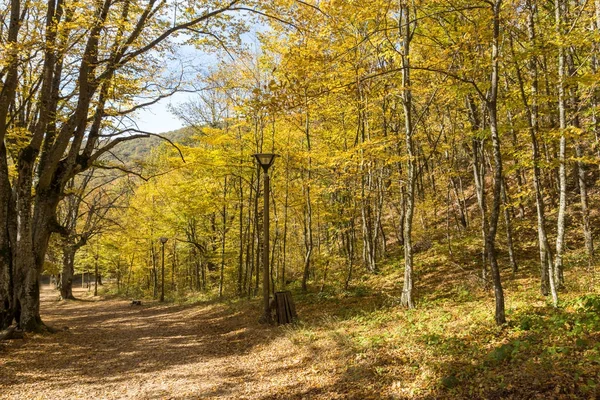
{"x": 406, "y": 32}
{"x": 6, "y": 261}
{"x": 285, "y": 220}
{"x": 128, "y": 275}
{"x": 154, "y": 270}
{"x": 8, "y": 304}
{"x": 240, "y": 271}
{"x": 585, "y": 211}
{"x": 27, "y": 268}
{"x": 223, "y": 237}
{"x": 581, "y": 167}
{"x": 479, "y": 172}
{"x": 497, "y": 195}
{"x": 97, "y": 278}
{"x": 546, "y": 259}
{"x": 308, "y": 228}
{"x": 562, "y": 172}
{"x": 174, "y": 267}
{"x": 258, "y": 236}
{"x": 595, "y": 68}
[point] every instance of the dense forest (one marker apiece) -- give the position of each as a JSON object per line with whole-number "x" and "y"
{"x": 398, "y": 127}
{"x": 415, "y": 140}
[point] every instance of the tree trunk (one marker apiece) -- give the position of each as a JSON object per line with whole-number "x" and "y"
{"x": 128, "y": 276}
{"x": 479, "y": 178}
{"x": 6, "y": 262}
{"x": 240, "y": 271}
{"x": 29, "y": 262}
{"x": 174, "y": 267}
{"x": 223, "y": 237}
{"x": 285, "y": 221}
{"x": 562, "y": 172}
{"x": 546, "y": 263}
{"x": 96, "y": 278}
{"x": 66, "y": 276}
{"x": 460, "y": 204}
{"x": 257, "y": 237}
{"x": 585, "y": 212}
{"x": 308, "y": 228}
{"x": 497, "y": 195}
{"x": 8, "y": 221}
{"x": 406, "y": 31}
{"x": 154, "y": 271}
{"x": 581, "y": 167}
{"x": 507, "y": 221}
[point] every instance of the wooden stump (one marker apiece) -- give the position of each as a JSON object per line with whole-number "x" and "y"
{"x": 285, "y": 308}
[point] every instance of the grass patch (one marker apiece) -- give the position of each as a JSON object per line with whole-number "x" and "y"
{"x": 450, "y": 347}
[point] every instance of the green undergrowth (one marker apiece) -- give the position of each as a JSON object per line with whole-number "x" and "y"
{"x": 449, "y": 346}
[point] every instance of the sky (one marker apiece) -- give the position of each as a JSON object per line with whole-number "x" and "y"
{"x": 158, "y": 118}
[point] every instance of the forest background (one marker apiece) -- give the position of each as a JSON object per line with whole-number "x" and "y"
{"x": 419, "y": 142}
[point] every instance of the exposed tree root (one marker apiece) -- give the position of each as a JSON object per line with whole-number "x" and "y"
{"x": 11, "y": 333}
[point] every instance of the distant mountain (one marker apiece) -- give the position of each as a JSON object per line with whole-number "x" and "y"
{"x": 140, "y": 149}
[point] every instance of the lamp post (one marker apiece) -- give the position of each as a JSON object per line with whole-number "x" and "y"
{"x": 163, "y": 240}
{"x": 96, "y": 275}
{"x": 265, "y": 160}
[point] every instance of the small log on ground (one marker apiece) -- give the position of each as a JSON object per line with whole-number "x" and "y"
{"x": 285, "y": 308}
{"x": 136, "y": 302}
{"x": 11, "y": 333}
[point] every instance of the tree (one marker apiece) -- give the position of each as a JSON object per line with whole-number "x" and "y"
{"x": 82, "y": 214}
{"x": 90, "y": 64}
{"x": 376, "y": 109}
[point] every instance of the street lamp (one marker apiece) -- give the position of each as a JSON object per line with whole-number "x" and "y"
{"x": 163, "y": 240}
{"x": 96, "y": 275}
{"x": 265, "y": 160}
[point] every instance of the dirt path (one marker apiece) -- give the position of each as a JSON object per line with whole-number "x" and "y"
{"x": 114, "y": 350}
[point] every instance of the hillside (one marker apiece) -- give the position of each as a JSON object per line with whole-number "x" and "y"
{"x": 140, "y": 149}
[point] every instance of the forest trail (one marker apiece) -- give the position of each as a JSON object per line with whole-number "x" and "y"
{"x": 113, "y": 350}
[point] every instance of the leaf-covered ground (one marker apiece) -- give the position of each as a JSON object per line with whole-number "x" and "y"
{"x": 355, "y": 344}
{"x": 114, "y": 350}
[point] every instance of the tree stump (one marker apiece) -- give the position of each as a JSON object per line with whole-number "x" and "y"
{"x": 285, "y": 308}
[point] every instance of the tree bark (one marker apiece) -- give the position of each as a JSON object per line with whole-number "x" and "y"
{"x": 308, "y": 228}
{"x": 479, "y": 173}
{"x": 223, "y": 237}
{"x": 6, "y": 260}
{"x": 497, "y": 195}
{"x": 240, "y": 270}
{"x": 581, "y": 167}
{"x": 509, "y": 238}
{"x": 562, "y": 172}
{"x": 531, "y": 107}
{"x": 66, "y": 276}
{"x": 8, "y": 305}
{"x": 406, "y": 31}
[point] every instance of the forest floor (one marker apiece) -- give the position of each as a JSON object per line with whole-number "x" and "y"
{"x": 348, "y": 345}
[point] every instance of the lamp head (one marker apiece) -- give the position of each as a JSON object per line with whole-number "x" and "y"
{"x": 163, "y": 239}
{"x": 265, "y": 159}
